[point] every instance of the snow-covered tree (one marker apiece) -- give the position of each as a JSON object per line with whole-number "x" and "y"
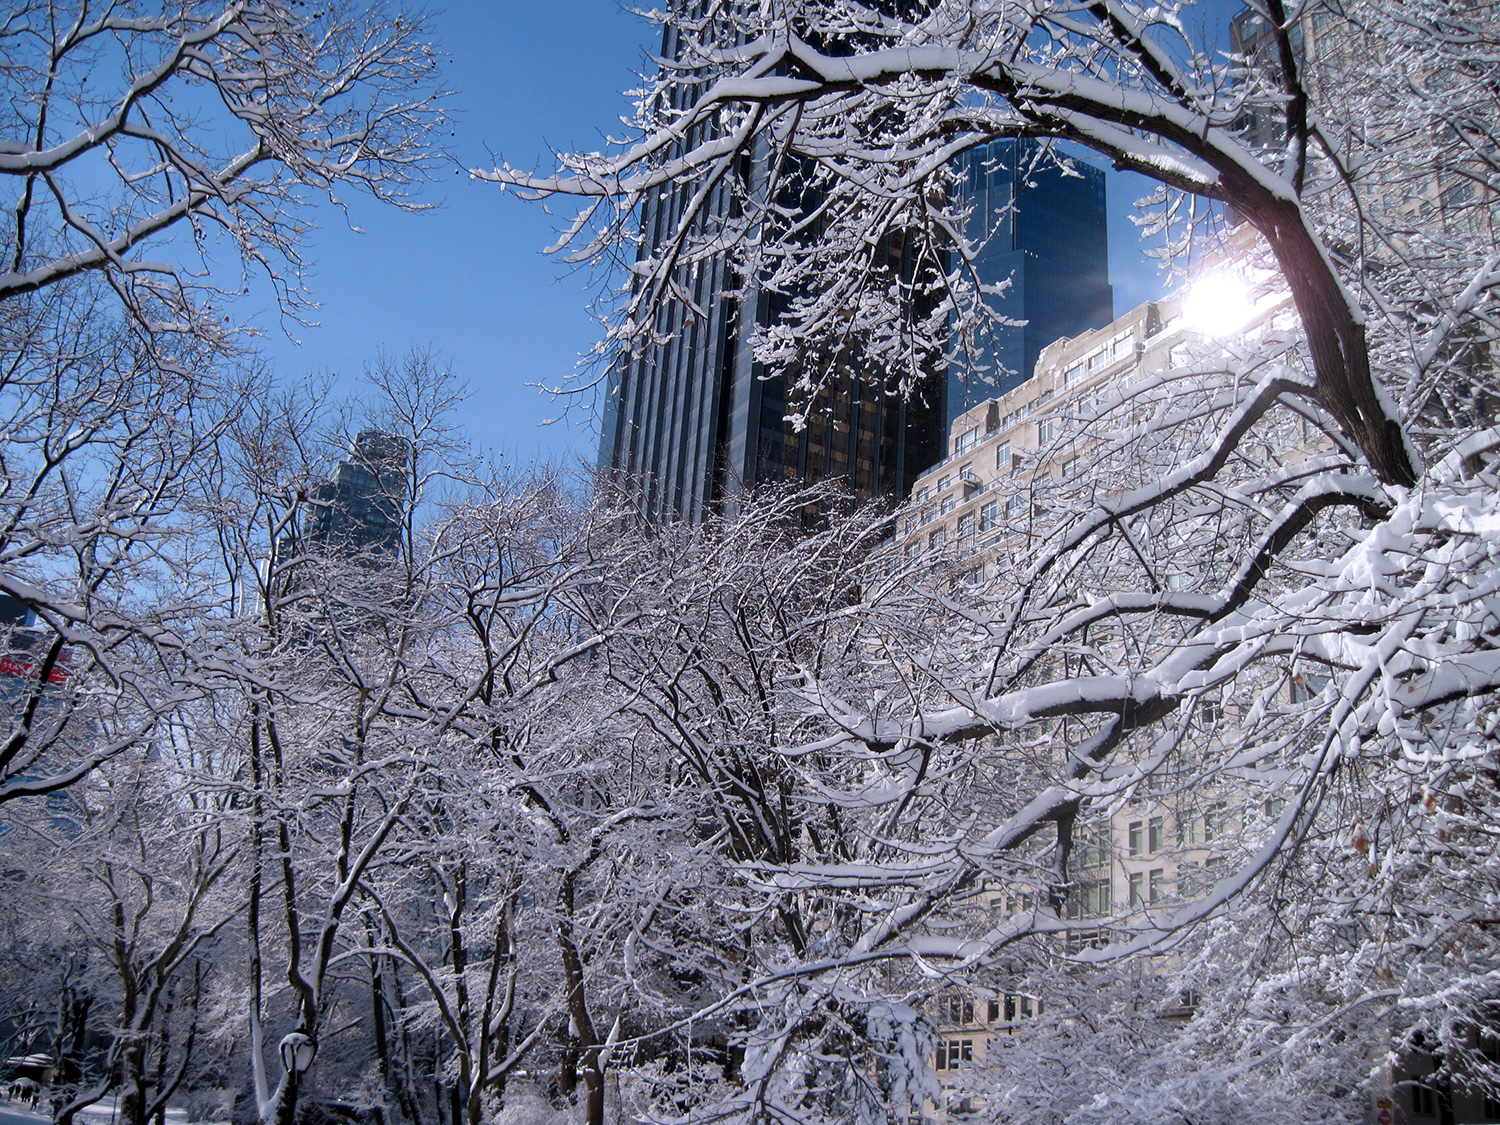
{"x": 1341, "y": 605}
{"x": 205, "y": 122}
{"x": 137, "y": 138}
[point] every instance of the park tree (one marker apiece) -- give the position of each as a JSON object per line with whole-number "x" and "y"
{"x": 1339, "y": 606}
{"x": 161, "y": 160}
{"x": 154, "y": 152}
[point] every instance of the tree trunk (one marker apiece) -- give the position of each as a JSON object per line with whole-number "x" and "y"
{"x": 163, "y": 1047}
{"x": 1340, "y": 352}
{"x": 377, "y": 1019}
{"x": 583, "y": 1053}
{"x": 72, "y": 1033}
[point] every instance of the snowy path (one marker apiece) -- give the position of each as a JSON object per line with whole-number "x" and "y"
{"x": 100, "y": 1113}
{"x": 16, "y": 1115}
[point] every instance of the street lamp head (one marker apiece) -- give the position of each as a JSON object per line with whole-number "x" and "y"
{"x": 297, "y": 1051}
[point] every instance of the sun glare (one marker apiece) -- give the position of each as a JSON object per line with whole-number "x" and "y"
{"x": 1218, "y": 305}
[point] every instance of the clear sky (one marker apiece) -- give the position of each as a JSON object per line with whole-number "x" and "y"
{"x": 469, "y": 278}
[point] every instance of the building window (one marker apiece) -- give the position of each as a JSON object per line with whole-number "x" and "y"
{"x": 992, "y": 1011}
{"x": 956, "y": 1009}
{"x": 946, "y": 506}
{"x": 1157, "y": 885}
{"x": 1179, "y": 581}
{"x": 1002, "y": 457}
{"x": 1018, "y": 903}
{"x": 1274, "y": 805}
{"x": 966, "y": 441}
{"x": 953, "y": 1052}
{"x": 1187, "y": 831}
{"x": 944, "y": 482}
{"x": 966, "y": 525}
{"x": 1423, "y": 1099}
{"x": 1156, "y": 837}
{"x": 937, "y": 539}
{"x": 1022, "y": 1007}
{"x": 1092, "y": 848}
{"x": 1091, "y": 900}
{"x": 1305, "y": 687}
{"x": 1013, "y": 506}
{"x": 1210, "y": 711}
{"x": 1489, "y": 1047}
{"x": 1070, "y": 467}
{"x": 1214, "y": 822}
{"x": 989, "y": 516}
{"x": 1136, "y": 837}
{"x": 1046, "y": 430}
{"x": 1189, "y": 880}
{"x": 1137, "y": 888}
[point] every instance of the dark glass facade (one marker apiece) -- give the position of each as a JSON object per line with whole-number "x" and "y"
{"x": 1053, "y": 247}
{"x": 360, "y": 507}
{"x": 692, "y": 420}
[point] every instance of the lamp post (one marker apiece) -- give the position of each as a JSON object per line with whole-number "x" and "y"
{"x": 297, "y": 1051}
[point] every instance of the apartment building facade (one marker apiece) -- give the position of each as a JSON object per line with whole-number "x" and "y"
{"x": 967, "y": 523}
{"x": 967, "y": 511}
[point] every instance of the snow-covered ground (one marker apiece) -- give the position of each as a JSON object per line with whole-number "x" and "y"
{"x": 100, "y": 1113}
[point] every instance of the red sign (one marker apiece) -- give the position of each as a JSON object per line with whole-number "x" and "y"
{"x": 10, "y": 666}
{"x": 1384, "y": 1117}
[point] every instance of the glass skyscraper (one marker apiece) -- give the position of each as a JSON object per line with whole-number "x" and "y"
{"x": 1053, "y": 246}
{"x": 693, "y": 420}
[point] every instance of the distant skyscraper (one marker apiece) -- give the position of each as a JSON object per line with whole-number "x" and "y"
{"x": 360, "y": 506}
{"x": 1053, "y": 248}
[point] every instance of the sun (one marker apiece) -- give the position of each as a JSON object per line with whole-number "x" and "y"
{"x": 1218, "y": 304}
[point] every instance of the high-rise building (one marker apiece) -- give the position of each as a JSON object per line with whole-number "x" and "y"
{"x": 1047, "y": 233}
{"x": 360, "y": 506}
{"x": 693, "y": 419}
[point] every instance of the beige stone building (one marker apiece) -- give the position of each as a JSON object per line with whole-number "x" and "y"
{"x": 965, "y": 512}
{"x": 971, "y": 515}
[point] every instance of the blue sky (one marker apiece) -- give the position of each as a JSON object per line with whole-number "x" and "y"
{"x": 469, "y": 278}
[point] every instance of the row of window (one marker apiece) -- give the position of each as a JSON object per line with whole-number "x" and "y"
{"x": 969, "y": 524}
{"x": 1004, "y": 462}
{"x": 1025, "y": 410}
{"x": 1047, "y": 428}
{"x": 1119, "y": 347}
{"x": 1095, "y": 899}
{"x": 1147, "y": 837}
{"x": 1008, "y": 1009}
